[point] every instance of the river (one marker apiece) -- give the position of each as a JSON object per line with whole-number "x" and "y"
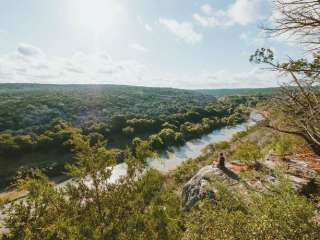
{"x": 190, "y": 149}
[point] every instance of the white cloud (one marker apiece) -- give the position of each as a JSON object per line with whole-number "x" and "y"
{"x": 291, "y": 39}
{"x": 101, "y": 68}
{"x": 244, "y": 12}
{"x": 183, "y": 30}
{"x": 213, "y": 18}
{"x": 255, "y": 40}
{"x": 30, "y": 64}
{"x": 241, "y": 12}
{"x": 148, "y": 27}
{"x": 205, "y": 21}
{"x": 138, "y": 47}
{"x": 206, "y": 9}
{"x": 254, "y": 78}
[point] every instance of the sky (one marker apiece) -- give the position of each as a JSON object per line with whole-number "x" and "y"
{"x": 189, "y": 44}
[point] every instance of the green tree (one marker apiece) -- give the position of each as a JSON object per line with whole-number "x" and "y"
{"x": 139, "y": 205}
{"x": 248, "y": 152}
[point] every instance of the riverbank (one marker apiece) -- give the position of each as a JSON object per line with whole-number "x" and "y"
{"x": 169, "y": 161}
{"x": 166, "y": 161}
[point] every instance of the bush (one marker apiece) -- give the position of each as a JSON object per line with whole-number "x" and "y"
{"x": 248, "y": 152}
{"x": 279, "y": 215}
{"x": 284, "y": 144}
{"x": 185, "y": 171}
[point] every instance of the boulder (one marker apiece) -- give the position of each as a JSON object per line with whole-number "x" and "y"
{"x": 201, "y": 185}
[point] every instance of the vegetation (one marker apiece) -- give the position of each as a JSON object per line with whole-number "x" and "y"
{"x": 283, "y": 144}
{"x": 37, "y": 121}
{"x": 139, "y": 206}
{"x": 248, "y": 152}
{"x": 281, "y": 215}
{"x": 145, "y": 204}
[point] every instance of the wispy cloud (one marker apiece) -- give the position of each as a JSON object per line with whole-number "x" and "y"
{"x": 244, "y": 12}
{"x": 138, "y": 47}
{"x": 183, "y": 30}
{"x": 148, "y": 27}
{"x": 31, "y": 64}
{"x": 241, "y": 12}
{"x": 206, "y": 9}
{"x": 255, "y": 40}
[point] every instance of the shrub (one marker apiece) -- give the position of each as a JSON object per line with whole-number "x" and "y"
{"x": 284, "y": 144}
{"x": 248, "y": 152}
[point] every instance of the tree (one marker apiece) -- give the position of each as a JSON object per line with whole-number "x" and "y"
{"x": 248, "y": 152}
{"x": 297, "y": 110}
{"x": 284, "y": 144}
{"x": 298, "y": 19}
{"x": 8, "y": 146}
{"x": 137, "y": 206}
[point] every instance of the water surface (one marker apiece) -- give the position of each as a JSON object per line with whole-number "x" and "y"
{"x": 190, "y": 149}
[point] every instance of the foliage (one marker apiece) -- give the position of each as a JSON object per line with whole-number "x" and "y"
{"x": 243, "y": 133}
{"x": 138, "y": 206}
{"x": 145, "y": 205}
{"x": 36, "y": 121}
{"x": 248, "y": 152}
{"x": 278, "y": 215}
{"x": 216, "y": 148}
{"x": 283, "y": 144}
{"x": 185, "y": 171}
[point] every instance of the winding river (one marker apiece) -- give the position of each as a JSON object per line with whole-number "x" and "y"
{"x": 191, "y": 149}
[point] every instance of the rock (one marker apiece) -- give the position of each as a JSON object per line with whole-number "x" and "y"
{"x": 300, "y": 169}
{"x": 298, "y": 172}
{"x": 200, "y": 186}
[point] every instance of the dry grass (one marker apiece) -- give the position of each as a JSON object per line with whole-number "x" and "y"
{"x": 304, "y": 153}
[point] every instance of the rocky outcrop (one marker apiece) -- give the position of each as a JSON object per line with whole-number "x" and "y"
{"x": 201, "y": 184}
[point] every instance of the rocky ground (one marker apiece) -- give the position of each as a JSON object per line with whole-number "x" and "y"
{"x": 301, "y": 173}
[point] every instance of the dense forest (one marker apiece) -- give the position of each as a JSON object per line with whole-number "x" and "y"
{"x": 37, "y": 121}
{"x": 240, "y": 92}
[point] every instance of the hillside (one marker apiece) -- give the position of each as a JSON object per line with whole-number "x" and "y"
{"x": 240, "y": 91}
{"x": 37, "y": 122}
{"x": 26, "y": 106}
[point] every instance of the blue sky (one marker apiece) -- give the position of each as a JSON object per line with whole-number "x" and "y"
{"x": 166, "y": 43}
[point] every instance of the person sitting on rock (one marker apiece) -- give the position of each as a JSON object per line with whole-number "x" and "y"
{"x": 221, "y": 161}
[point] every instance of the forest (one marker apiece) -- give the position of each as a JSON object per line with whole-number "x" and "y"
{"x": 37, "y": 121}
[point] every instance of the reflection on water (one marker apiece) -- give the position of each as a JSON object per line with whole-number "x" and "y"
{"x": 191, "y": 149}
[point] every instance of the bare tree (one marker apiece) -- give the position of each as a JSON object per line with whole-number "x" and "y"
{"x": 298, "y": 19}
{"x": 298, "y": 107}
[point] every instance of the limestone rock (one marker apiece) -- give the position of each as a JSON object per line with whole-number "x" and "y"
{"x": 200, "y": 185}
